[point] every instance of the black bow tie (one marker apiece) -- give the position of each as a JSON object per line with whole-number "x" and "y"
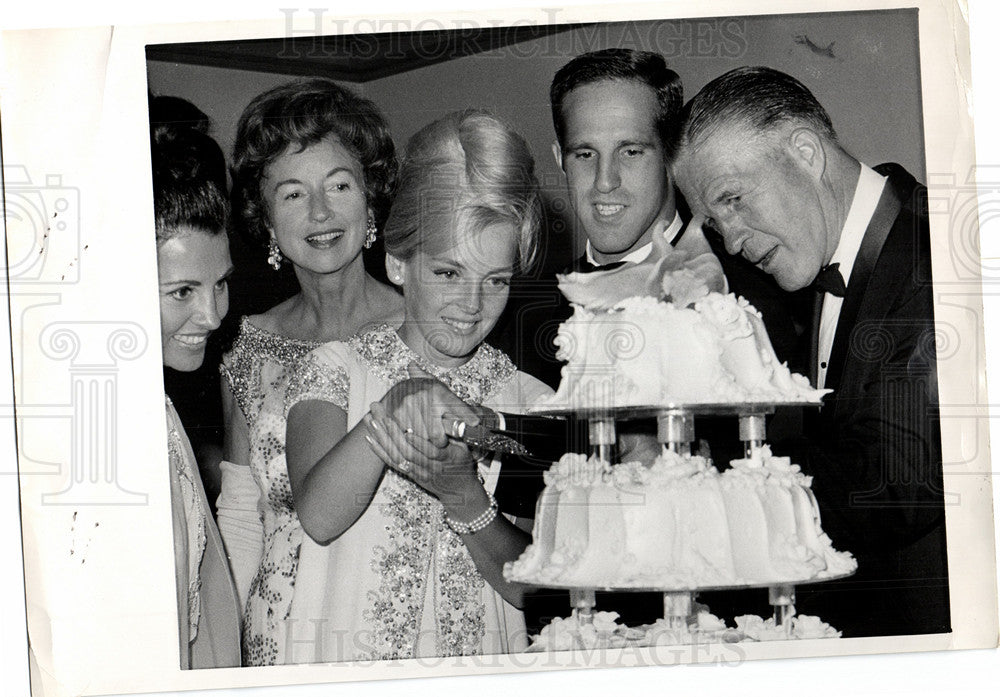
{"x": 829, "y": 280}
{"x": 585, "y": 266}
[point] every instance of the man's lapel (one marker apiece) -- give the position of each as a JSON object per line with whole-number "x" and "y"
{"x": 862, "y": 296}
{"x": 817, "y": 310}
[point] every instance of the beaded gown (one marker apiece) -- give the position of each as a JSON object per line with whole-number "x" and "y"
{"x": 265, "y": 556}
{"x": 398, "y": 583}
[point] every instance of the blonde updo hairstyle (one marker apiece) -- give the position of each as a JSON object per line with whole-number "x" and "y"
{"x": 467, "y": 170}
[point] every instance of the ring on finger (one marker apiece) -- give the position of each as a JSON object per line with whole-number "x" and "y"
{"x": 404, "y": 465}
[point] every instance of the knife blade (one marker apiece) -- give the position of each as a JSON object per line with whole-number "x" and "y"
{"x": 483, "y": 437}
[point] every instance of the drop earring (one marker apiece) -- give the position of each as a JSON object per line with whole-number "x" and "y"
{"x": 370, "y": 232}
{"x": 274, "y": 255}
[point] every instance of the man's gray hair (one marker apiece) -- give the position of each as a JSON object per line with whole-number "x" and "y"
{"x": 756, "y": 98}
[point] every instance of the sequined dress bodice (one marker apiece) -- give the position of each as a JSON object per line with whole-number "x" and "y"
{"x": 257, "y": 363}
{"x": 398, "y": 583}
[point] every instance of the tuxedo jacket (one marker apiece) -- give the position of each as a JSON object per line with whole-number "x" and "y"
{"x": 874, "y": 449}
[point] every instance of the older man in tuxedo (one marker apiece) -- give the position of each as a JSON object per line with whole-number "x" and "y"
{"x": 758, "y": 156}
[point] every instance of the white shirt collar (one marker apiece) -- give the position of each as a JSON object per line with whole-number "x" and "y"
{"x": 866, "y": 196}
{"x": 863, "y": 205}
{"x": 640, "y": 254}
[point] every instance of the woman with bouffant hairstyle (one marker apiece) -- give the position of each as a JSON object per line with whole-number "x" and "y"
{"x": 314, "y": 168}
{"x": 404, "y": 545}
{"x": 478, "y": 172}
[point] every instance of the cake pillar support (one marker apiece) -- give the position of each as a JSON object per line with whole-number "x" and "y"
{"x": 675, "y": 430}
{"x": 753, "y": 432}
{"x": 782, "y": 599}
{"x": 677, "y": 609}
{"x": 583, "y": 602}
{"x": 602, "y": 438}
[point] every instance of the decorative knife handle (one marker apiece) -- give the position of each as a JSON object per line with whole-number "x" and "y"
{"x": 454, "y": 426}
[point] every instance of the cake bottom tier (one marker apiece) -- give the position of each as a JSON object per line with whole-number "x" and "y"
{"x": 605, "y": 632}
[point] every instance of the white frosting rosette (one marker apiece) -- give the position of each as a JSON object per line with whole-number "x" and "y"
{"x": 802, "y": 627}
{"x": 575, "y": 469}
{"x": 605, "y": 631}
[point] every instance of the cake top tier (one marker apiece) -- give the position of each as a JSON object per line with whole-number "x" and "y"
{"x": 666, "y": 331}
{"x": 680, "y": 275}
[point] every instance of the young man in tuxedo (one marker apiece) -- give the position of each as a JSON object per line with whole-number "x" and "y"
{"x": 613, "y": 111}
{"x": 758, "y": 156}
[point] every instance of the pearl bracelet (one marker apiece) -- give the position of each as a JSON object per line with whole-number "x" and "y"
{"x": 476, "y": 524}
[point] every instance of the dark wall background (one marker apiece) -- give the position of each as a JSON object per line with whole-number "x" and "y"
{"x": 862, "y": 66}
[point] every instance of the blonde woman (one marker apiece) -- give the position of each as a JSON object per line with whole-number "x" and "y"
{"x": 404, "y": 560}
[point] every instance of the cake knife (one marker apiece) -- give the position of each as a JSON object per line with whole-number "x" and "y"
{"x": 483, "y": 437}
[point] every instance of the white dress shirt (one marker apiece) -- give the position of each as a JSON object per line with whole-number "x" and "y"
{"x": 640, "y": 254}
{"x": 866, "y": 197}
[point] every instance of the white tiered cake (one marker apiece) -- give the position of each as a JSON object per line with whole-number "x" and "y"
{"x": 678, "y": 524}
{"x": 666, "y": 333}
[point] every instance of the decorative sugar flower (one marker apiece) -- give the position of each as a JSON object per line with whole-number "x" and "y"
{"x": 812, "y": 627}
{"x": 680, "y": 274}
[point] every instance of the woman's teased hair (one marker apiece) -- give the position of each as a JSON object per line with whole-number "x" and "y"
{"x": 187, "y": 191}
{"x": 468, "y": 169}
{"x": 300, "y": 114}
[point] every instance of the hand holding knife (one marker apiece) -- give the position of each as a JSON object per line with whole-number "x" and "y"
{"x": 482, "y": 437}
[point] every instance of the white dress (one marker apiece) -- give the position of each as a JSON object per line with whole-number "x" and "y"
{"x": 208, "y": 613}
{"x": 398, "y": 583}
